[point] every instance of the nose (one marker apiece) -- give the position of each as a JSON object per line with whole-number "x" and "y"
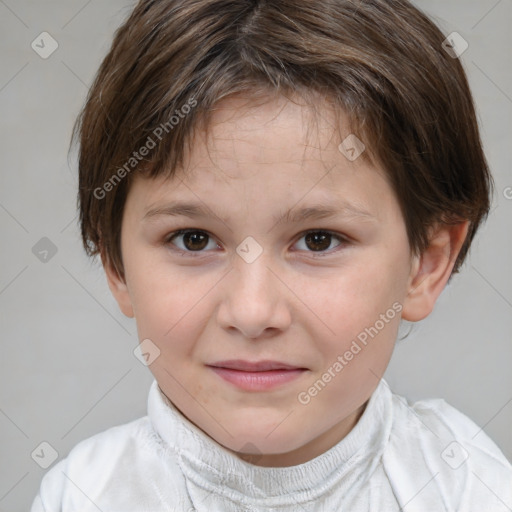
{"x": 255, "y": 300}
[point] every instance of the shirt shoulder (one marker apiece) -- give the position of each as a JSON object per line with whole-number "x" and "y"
{"x": 436, "y": 453}
{"x": 106, "y": 471}
{"x": 446, "y": 420}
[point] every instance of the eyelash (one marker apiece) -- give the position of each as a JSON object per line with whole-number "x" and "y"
{"x": 197, "y": 254}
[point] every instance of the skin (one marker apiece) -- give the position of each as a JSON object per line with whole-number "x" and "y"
{"x": 294, "y": 303}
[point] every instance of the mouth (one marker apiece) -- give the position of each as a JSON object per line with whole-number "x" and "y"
{"x": 256, "y": 376}
{"x": 257, "y": 366}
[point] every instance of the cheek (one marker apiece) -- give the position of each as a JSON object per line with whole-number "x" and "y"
{"x": 168, "y": 301}
{"x": 173, "y": 304}
{"x": 363, "y": 310}
{"x": 350, "y": 301}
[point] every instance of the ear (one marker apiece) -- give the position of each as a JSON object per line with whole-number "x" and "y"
{"x": 118, "y": 287}
{"x": 431, "y": 270}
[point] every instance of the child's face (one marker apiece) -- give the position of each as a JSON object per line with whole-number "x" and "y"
{"x": 302, "y": 301}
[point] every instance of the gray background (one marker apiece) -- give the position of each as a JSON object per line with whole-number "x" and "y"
{"x": 67, "y": 364}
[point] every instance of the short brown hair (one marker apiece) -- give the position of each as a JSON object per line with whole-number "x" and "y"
{"x": 381, "y": 61}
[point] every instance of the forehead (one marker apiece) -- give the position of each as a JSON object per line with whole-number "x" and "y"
{"x": 276, "y": 131}
{"x": 271, "y": 156}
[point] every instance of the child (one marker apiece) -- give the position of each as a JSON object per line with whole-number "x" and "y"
{"x": 223, "y": 144}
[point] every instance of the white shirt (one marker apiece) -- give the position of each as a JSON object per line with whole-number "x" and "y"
{"x": 422, "y": 457}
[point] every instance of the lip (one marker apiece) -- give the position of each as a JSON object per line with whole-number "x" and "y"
{"x": 256, "y": 366}
{"x": 256, "y": 376}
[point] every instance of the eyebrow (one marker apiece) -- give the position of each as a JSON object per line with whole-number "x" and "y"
{"x": 313, "y": 212}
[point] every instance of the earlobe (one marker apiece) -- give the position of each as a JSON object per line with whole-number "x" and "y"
{"x": 430, "y": 271}
{"x": 118, "y": 287}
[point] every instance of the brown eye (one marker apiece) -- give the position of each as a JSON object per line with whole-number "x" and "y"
{"x": 191, "y": 240}
{"x": 319, "y": 242}
{"x": 195, "y": 241}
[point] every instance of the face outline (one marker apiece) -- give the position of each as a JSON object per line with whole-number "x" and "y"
{"x": 286, "y": 305}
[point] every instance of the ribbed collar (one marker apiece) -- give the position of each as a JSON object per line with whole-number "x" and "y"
{"x": 212, "y": 467}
